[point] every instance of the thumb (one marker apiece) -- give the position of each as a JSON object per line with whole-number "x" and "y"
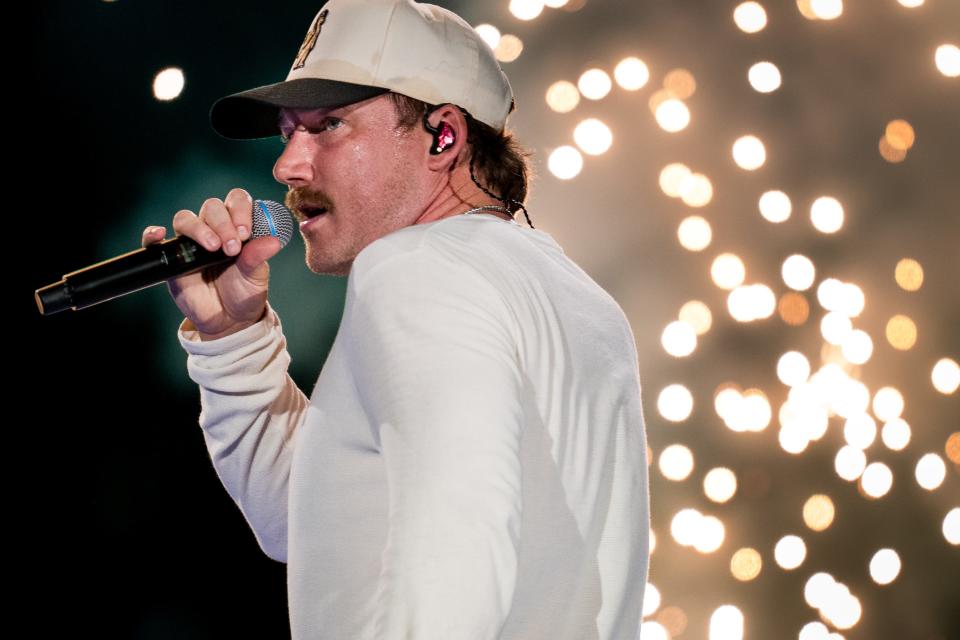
{"x": 255, "y": 252}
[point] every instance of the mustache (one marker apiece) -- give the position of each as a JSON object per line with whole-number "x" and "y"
{"x": 299, "y": 200}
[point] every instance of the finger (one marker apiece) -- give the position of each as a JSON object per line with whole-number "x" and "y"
{"x": 187, "y": 223}
{"x": 240, "y": 205}
{"x": 256, "y": 252}
{"x": 215, "y": 215}
{"x": 153, "y": 235}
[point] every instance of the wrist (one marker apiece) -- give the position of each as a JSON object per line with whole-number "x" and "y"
{"x": 240, "y": 326}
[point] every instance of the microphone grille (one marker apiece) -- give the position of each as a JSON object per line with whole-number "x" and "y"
{"x": 272, "y": 219}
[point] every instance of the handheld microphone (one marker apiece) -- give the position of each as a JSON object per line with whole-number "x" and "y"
{"x": 153, "y": 264}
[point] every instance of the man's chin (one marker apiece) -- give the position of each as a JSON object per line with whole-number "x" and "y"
{"x": 322, "y": 268}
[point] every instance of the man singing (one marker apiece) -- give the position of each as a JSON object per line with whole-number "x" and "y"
{"x": 471, "y": 462}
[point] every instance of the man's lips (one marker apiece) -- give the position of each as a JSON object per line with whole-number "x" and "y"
{"x": 306, "y": 212}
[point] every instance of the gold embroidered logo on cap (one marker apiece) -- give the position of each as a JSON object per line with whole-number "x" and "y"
{"x": 311, "y": 40}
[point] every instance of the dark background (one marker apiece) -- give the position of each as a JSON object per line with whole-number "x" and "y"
{"x": 120, "y": 525}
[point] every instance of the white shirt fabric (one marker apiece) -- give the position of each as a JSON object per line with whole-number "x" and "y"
{"x": 471, "y": 463}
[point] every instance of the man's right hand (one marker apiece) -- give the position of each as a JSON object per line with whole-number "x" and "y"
{"x": 222, "y": 299}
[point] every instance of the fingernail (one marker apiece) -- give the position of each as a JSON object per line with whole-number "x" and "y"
{"x": 210, "y": 242}
{"x": 242, "y": 231}
{"x": 232, "y": 246}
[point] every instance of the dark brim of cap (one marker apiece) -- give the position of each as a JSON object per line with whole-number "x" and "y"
{"x": 253, "y": 113}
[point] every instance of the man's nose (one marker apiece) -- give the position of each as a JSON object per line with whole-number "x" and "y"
{"x": 295, "y": 167}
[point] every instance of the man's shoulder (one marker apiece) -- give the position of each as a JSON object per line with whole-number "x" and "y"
{"x": 442, "y": 242}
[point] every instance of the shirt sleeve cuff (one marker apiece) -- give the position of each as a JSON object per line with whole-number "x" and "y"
{"x": 190, "y": 337}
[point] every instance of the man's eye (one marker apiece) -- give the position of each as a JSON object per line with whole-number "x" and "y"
{"x": 328, "y": 124}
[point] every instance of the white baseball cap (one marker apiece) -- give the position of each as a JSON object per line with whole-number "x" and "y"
{"x": 357, "y": 49}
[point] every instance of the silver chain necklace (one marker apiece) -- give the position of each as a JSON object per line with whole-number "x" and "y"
{"x": 490, "y": 207}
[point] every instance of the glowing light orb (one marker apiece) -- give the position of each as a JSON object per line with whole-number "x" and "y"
{"x": 746, "y": 564}
{"x": 631, "y": 73}
{"x": 676, "y": 462}
{"x": 909, "y": 274}
{"x": 694, "y": 233}
{"x": 696, "y": 190}
{"x": 750, "y": 17}
{"x": 826, "y": 213}
{"x": 726, "y": 623}
{"x": 850, "y": 463}
{"x": 168, "y": 84}
{"x": 489, "y": 34}
{"x": 798, "y": 272}
{"x": 728, "y": 271}
{"x": 764, "y": 77}
{"x": 526, "y": 9}
{"x": 818, "y": 512}
{"x": 945, "y": 376}
{"x": 951, "y": 526}
{"x": 901, "y": 332}
{"x": 931, "y": 471}
{"x": 896, "y": 434}
{"x": 563, "y": 96}
{"x": 749, "y": 153}
{"x": 697, "y": 315}
{"x": 827, "y": 9}
{"x": 593, "y": 136}
{"x": 565, "y": 162}
{"x": 947, "y": 59}
{"x": 793, "y": 368}
{"x": 790, "y": 552}
{"x": 679, "y": 339}
{"x": 775, "y": 206}
{"x": 720, "y": 484}
{"x": 594, "y": 84}
{"x": 876, "y": 480}
{"x": 675, "y": 403}
{"x": 672, "y": 115}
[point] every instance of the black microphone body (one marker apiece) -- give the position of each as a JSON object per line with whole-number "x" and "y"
{"x": 153, "y": 264}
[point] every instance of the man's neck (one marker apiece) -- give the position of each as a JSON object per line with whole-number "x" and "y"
{"x": 458, "y": 196}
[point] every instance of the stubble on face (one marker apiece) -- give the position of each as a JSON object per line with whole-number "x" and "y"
{"x": 381, "y": 198}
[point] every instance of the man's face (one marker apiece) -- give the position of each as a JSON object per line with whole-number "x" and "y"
{"x": 354, "y": 162}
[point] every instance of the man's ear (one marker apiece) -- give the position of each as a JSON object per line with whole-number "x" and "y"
{"x": 446, "y": 137}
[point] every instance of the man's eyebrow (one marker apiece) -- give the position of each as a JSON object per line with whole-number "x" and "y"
{"x": 322, "y": 112}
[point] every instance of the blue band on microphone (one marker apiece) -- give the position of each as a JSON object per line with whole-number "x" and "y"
{"x": 269, "y": 217}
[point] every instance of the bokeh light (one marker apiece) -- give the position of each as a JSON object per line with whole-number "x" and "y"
{"x": 728, "y": 271}
{"x": 884, "y": 566}
{"x": 697, "y": 315}
{"x": 945, "y": 376}
{"x": 947, "y": 59}
{"x": 509, "y": 48}
{"x": 826, "y": 213}
{"x": 850, "y": 463}
{"x": 679, "y": 339}
{"x": 793, "y": 368}
{"x": 798, "y": 272}
{"x": 790, "y": 552}
{"x": 720, "y": 484}
{"x": 750, "y": 17}
{"x": 775, "y": 206}
{"x": 764, "y": 77}
{"x": 746, "y": 564}
{"x": 565, "y": 162}
{"x": 676, "y": 462}
{"x": 909, "y": 274}
{"x": 168, "y": 84}
{"x": 489, "y": 33}
{"x": 675, "y": 403}
{"x": 696, "y": 190}
{"x": 631, "y": 73}
{"x": 672, "y": 115}
{"x": 951, "y": 526}
{"x": 827, "y": 9}
{"x": 876, "y": 480}
{"x": 896, "y": 434}
{"x": 900, "y": 134}
{"x": 594, "y": 84}
{"x": 749, "y": 153}
{"x": 593, "y": 136}
{"x": 680, "y": 83}
{"x": 931, "y": 471}
{"x": 526, "y": 9}
{"x": 818, "y": 512}
{"x": 901, "y": 332}
{"x": 793, "y": 308}
{"x": 694, "y": 233}
{"x": 563, "y": 96}
{"x": 888, "y": 404}
{"x": 726, "y": 623}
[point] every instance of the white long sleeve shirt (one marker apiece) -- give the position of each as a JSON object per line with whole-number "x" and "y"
{"x": 471, "y": 463}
